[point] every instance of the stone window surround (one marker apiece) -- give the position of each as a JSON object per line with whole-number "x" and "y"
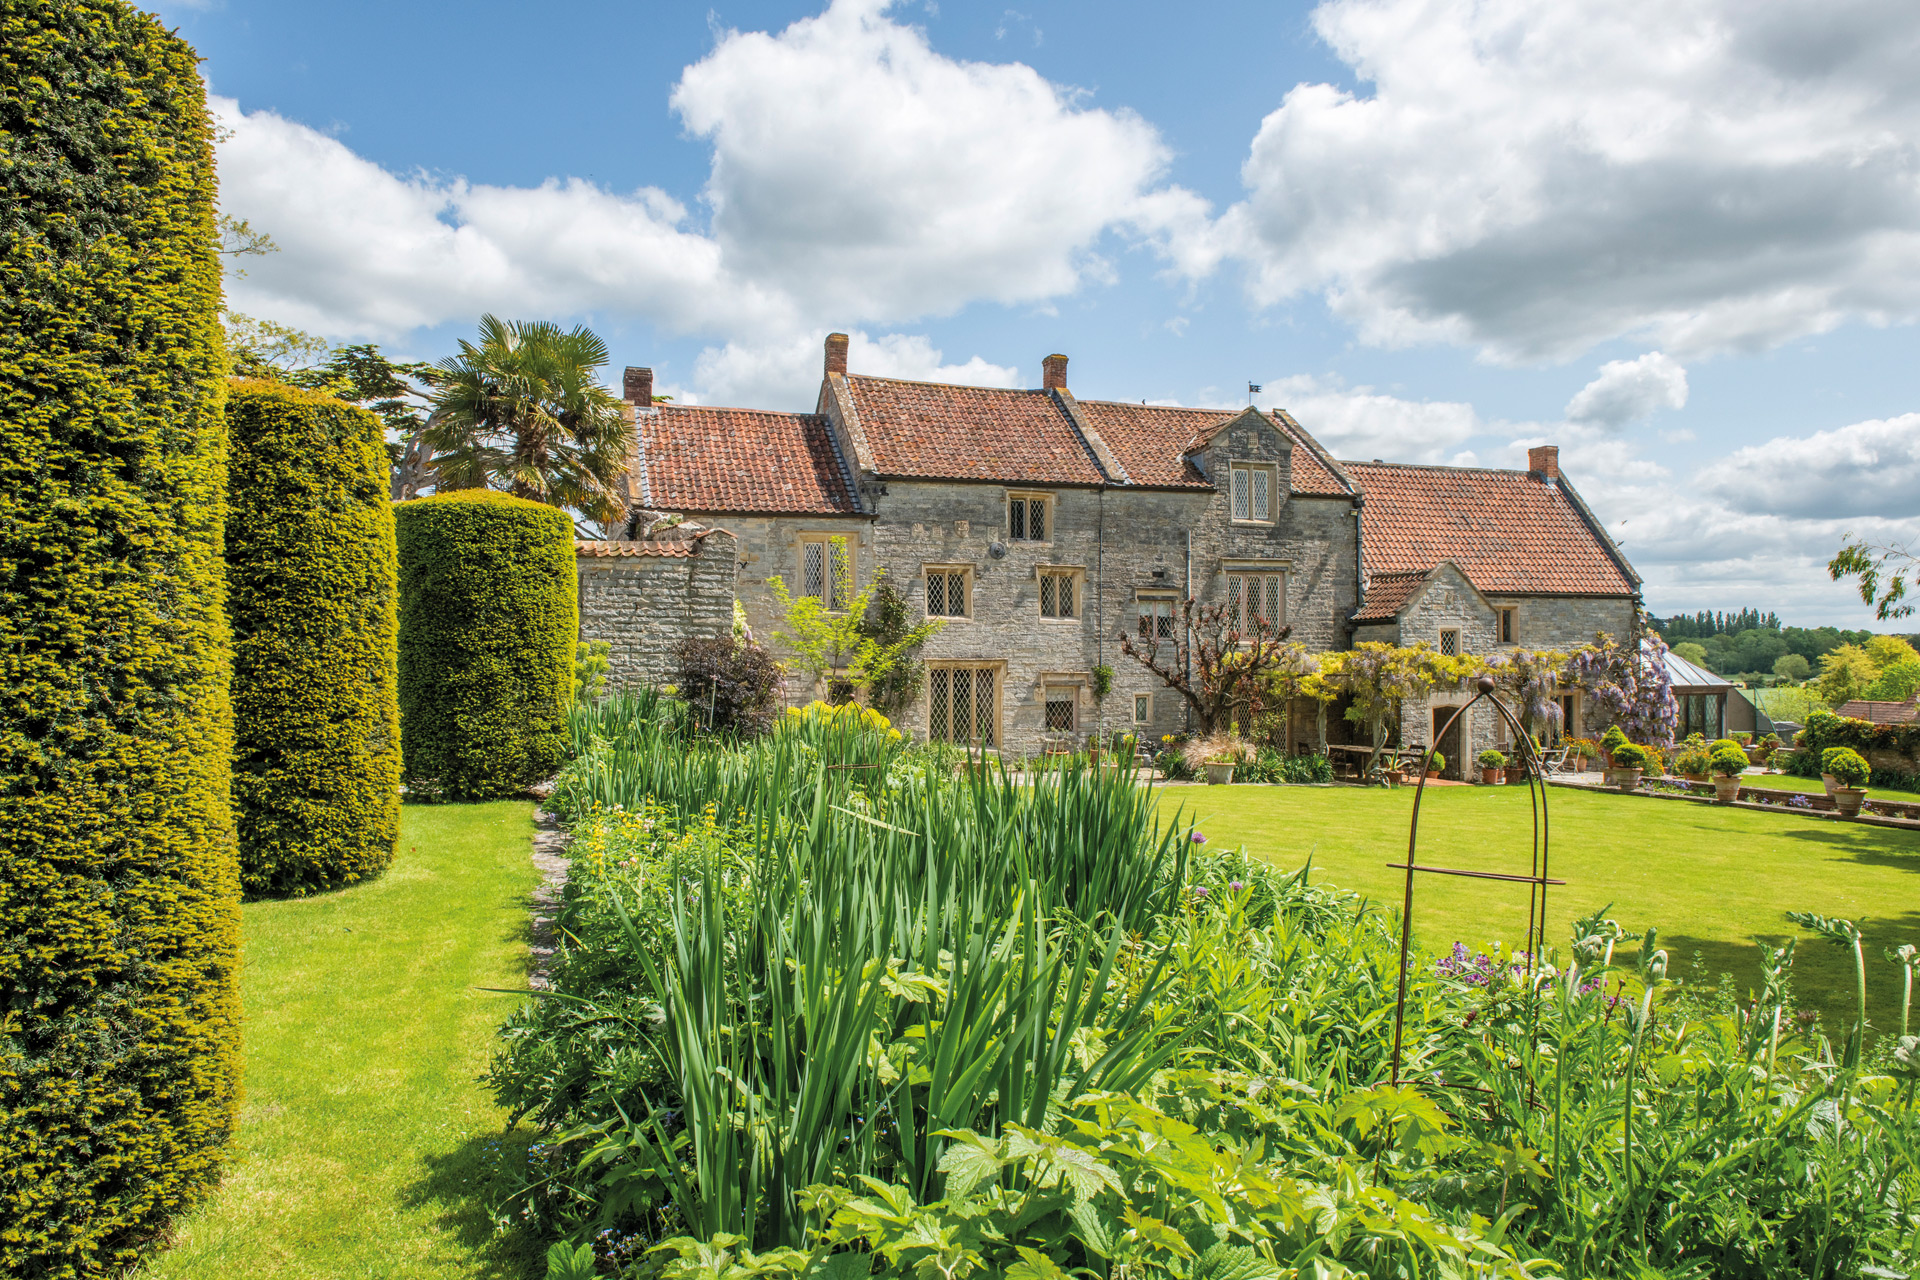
{"x": 1506, "y": 623}
{"x": 1232, "y": 568}
{"x": 1156, "y": 595}
{"x": 1078, "y": 574}
{"x": 1048, "y": 505}
{"x": 997, "y": 666}
{"x": 802, "y": 539}
{"x": 1138, "y": 699}
{"x": 1235, "y": 466}
{"x": 1441, "y": 643}
{"x": 1045, "y": 683}
{"x": 966, "y": 571}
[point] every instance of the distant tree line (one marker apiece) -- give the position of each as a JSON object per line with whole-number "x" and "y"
{"x": 1750, "y": 643}
{"x": 1706, "y": 623}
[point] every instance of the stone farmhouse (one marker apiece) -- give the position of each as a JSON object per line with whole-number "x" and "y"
{"x": 1040, "y": 525}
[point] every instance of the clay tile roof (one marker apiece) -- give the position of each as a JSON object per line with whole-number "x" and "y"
{"x": 602, "y": 550}
{"x": 1511, "y": 532}
{"x": 1880, "y": 712}
{"x": 1388, "y": 593}
{"x": 1152, "y": 441}
{"x": 699, "y": 458}
{"x": 931, "y": 430}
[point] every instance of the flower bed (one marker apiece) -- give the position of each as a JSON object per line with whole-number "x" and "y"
{"x": 858, "y": 1015}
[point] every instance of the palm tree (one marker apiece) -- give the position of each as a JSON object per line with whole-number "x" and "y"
{"x": 523, "y": 412}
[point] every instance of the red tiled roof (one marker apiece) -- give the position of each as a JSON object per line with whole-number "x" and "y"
{"x": 698, "y": 458}
{"x": 1152, "y": 441}
{"x": 1511, "y": 532}
{"x": 1388, "y": 593}
{"x": 933, "y": 430}
{"x": 1880, "y": 712}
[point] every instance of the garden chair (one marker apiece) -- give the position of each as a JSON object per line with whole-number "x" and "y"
{"x": 1556, "y": 761}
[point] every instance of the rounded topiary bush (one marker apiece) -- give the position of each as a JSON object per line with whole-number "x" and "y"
{"x": 119, "y": 898}
{"x": 489, "y": 614}
{"x": 310, "y": 577}
{"x": 1846, "y": 766}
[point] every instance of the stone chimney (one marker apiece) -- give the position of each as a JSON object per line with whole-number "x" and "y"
{"x": 639, "y": 387}
{"x": 1544, "y": 461}
{"x": 837, "y": 353}
{"x": 1053, "y": 373}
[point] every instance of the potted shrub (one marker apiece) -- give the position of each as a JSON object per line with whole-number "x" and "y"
{"x": 1611, "y": 739}
{"x": 1435, "y": 764}
{"x": 1850, "y": 773}
{"x": 1216, "y": 756}
{"x": 1768, "y": 746}
{"x": 1728, "y": 763}
{"x": 1584, "y": 750}
{"x": 1694, "y": 762}
{"x": 1492, "y": 766}
{"x": 1629, "y": 762}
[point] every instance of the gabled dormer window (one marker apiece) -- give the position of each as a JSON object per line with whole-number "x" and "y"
{"x": 1252, "y": 493}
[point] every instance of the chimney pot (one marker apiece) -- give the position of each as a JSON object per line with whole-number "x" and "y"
{"x": 639, "y": 387}
{"x": 837, "y": 353}
{"x": 1053, "y": 373}
{"x": 1544, "y": 461}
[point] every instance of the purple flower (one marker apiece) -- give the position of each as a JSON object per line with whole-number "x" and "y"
{"x": 1200, "y": 891}
{"x": 1236, "y": 885}
{"x": 1197, "y": 838}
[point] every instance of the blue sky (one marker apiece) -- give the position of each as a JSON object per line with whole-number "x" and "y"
{"x": 1681, "y": 239}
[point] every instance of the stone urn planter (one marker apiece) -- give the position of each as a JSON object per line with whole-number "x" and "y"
{"x": 1694, "y": 777}
{"x": 1726, "y": 789}
{"x": 1218, "y": 772}
{"x": 1832, "y": 783}
{"x": 1625, "y": 779}
{"x": 1848, "y": 800}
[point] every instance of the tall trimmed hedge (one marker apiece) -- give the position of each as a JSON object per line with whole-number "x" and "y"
{"x": 489, "y": 613}
{"x": 310, "y": 581}
{"x": 119, "y": 921}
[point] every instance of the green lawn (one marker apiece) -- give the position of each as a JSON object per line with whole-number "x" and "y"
{"x": 364, "y": 1135}
{"x": 1788, "y": 782}
{"x": 1714, "y": 880}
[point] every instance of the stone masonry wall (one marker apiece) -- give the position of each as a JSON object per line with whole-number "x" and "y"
{"x": 1145, "y": 539}
{"x": 644, "y": 605}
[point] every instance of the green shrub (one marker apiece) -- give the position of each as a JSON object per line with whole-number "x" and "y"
{"x": 119, "y": 920}
{"x": 1693, "y": 761}
{"x": 489, "y": 617}
{"x": 1629, "y": 756}
{"x": 1612, "y": 738}
{"x": 1491, "y": 759}
{"x": 310, "y": 581}
{"x": 1728, "y": 761}
{"x": 1437, "y": 761}
{"x": 730, "y": 684}
{"x": 1306, "y": 770}
{"x": 1721, "y": 744}
{"x": 1847, "y": 766}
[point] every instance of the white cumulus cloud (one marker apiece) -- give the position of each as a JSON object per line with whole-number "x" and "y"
{"x": 857, "y": 177}
{"x": 1868, "y": 469}
{"x": 786, "y": 374}
{"x": 1628, "y": 390}
{"x": 1361, "y": 423}
{"x": 1533, "y": 177}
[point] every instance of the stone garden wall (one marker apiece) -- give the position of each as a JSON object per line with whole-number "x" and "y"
{"x": 645, "y": 597}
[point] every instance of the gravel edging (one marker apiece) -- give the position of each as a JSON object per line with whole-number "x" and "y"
{"x": 550, "y": 841}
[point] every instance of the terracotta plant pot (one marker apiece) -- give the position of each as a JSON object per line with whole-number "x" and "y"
{"x": 1832, "y": 783}
{"x": 1726, "y": 789}
{"x": 1433, "y": 774}
{"x": 1219, "y": 771}
{"x": 1848, "y": 800}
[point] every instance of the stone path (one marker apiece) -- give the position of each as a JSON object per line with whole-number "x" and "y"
{"x": 550, "y": 859}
